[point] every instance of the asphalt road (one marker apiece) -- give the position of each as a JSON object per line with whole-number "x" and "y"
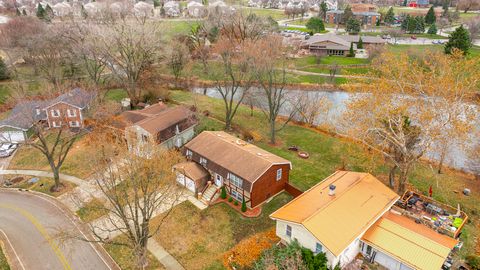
{"x": 30, "y": 226}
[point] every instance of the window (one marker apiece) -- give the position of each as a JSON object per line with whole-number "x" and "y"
{"x": 189, "y": 153}
{"x": 71, "y": 113}
{"x": 144, "y": 138}
{"x": 38, "y": 111}
{"x": 318, "y": 248}
{"x": 57, "y": 124}
{"x": 74, "y": 124}
{"x": 235, "y": 180}
{"x": 289, "y": 231}
{"x": 203, "y": 161}
{"x": 369, "y": 250}
{"x": 236, "y": 195}
{"x": 279, "y": 174}
{"x": 55, "y": 113}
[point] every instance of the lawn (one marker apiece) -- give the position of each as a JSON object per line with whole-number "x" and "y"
{"x": 92, "y": 210}
{"x": 328, "y": 153}
{"x": 30, "y": 158}
{"x": 43, "y": 185}
{"x": 275, "y": 14}
{"x": 347, "y": 64}
{"x": 116, "y": 94}
{"x": 198, "y": 239}
{"x": 125, "y": 258}
{"x": 3, "y": 260}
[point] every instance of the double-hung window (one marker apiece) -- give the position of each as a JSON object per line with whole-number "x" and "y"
{"x": 236, "y": 195}
{"x": 203, "y": 161}
{"x": 74, "y": 124}
{"x": 235, "y": 180}
{"x": 189, "y": 153}
{"x": 279, "y": 174}
{"x": 318, "y": 248}
{"x": 55, "y": 113}
{"x": 71, "y": 113}
{"x": 289, "y": 231}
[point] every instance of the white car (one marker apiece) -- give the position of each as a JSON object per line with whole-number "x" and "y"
{"x": 7, "y": 149}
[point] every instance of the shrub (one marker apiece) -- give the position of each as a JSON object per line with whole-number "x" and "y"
{"x": 473, "y": 261}
{"x": 230, "y": 199}
{"x": 289, "y": 257}
{"x": 223, "y": 193}
{"x": 4, "y": 74}
{"x": 244, "y": 206}
{"x": 235, "y": 203}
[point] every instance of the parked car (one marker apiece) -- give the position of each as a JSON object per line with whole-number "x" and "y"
{"x": 413, "y": 37}
{"x": 386, "y": 37}
{"x": 7, "y": 149}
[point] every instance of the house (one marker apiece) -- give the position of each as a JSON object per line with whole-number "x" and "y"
{"x": 418, "y": 3}
{"x": 159, "y": 124}
{"x": 246, "y": 171}
{"x": 350, "y": 214}
{"x": 366, "y": 13}
{"x": 172, "y": 9}
{"x": 143, "y": 9}
{"x": 68, "y": 109}
{"x": 195, "y": 9}
{"x": 332, "y": 44}
{"x": 17, "y": 126}
{"x": 62, "y": 9}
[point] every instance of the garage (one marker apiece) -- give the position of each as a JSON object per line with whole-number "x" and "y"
{"x": 185, "y": 181}
{"x": 191, "y": 175}
{"x": 12, "y": 136}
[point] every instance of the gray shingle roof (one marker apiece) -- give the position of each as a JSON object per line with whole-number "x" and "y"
{"x": 76, "y": 97}
{"x": 24, "y": 114}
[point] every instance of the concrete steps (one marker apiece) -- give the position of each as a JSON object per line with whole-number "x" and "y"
{"x": 208, "y": 194}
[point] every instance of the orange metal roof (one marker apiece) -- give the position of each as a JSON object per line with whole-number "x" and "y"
{"x": 413, "y": 244}
{"x": 336, "y": 221}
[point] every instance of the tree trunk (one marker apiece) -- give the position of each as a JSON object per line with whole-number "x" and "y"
{"x": 391, "y": 176}
{"x": 272, "y": 132}
{"x": 56, "y": 178}
{"x": 142, "y": 256}
{"x": 402, "y": 181}
{"x": 442, "y": 159}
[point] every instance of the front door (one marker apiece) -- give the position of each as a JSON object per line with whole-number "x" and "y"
{"x": 218, "y": 180}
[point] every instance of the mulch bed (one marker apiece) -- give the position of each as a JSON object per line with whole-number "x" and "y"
{"x": 250, "y": 213}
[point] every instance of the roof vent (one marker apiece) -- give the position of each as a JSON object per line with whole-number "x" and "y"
{"x": 240, "y": 142}
{"x": 331, "y": 190}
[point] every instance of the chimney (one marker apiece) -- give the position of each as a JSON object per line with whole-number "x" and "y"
{"x": 331, "y": 190}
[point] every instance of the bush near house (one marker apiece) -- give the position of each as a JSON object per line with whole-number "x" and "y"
{"x": 245, "y": 253}
{"x": 223, "y": 193}
{"x": 473, "y": 261}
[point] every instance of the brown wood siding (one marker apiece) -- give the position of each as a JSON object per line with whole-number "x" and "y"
{"x": 267, "y": 185}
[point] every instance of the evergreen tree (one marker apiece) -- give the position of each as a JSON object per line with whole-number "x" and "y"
{"x": 83, "y": 12}
{"x": 324, "y": 9}
{"x": 24, "y": 12}
{"x": 360, "y": 43}
{"x": 4, "y": 74}
{"x": 351, "y": 52}
{"x": 48, "y": 13}
{"x": 377, "y": 22}
{"x": 353, "y": 26}
{"x": 430, "y": 18}
{"x": 432, "y": 30}
{"x": 419, "y": 25}
{"x": 404, "y": 3}
{"x": 315, "y": 25}
{"x": 156, "y": 3}
{"x": 411, "y": 24}
{"x": 405, "y": 22}
{"x": 459, "y": 39}
{"x": 41, "y": 12}
{"x": 347, "y": 14}
{"x": 390, "y": 17}
{"x": 244, "y": 205}
{"x": 17, "y": 11}
{"x": 223, "y": 193}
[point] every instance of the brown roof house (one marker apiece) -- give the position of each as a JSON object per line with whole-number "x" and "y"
{"x": 332, "y": 44}
{"x": 158, "y": 125}
{"x": 248, "y": 172}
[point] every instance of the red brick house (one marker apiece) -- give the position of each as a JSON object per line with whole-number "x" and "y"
{"x": 67, "y": 110}
{"x": 248, "y": 172}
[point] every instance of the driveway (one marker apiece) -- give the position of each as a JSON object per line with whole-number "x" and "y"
{"x": 29, "y": 226}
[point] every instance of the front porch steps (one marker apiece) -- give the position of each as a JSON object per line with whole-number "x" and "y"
{"x": 208, "y": 195}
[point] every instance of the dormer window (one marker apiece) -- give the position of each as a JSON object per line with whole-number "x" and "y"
{"x": 37, "y": 111}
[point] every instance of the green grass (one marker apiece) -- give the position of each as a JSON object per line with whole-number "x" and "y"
{"x": 125, "y": 258}
{"x": 327, "y": 154}
{"x": 3, "y": 260}
{"x": 92, "y": 210}
{"x": 116, "y": 94}
{"x": 275, "y": 14}
{"x": 198, "y": 239}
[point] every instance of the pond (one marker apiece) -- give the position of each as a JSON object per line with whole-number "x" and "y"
{"x": 456, "y": 158}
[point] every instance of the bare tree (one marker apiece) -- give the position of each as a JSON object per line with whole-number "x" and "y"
{"x": 136, "y": 190}
{"x": 130, "y": 48}
{"x": 233, "y": 78}
{"x": 177, "y": 58}
{"x": 410, "y": 106}
{"x": 473, "y": 26}
{"x": 467, "y": 5}
{"x": 311, "y": 106}
{"x": 268, "y": 52}
{"x": 394, "y": 33}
